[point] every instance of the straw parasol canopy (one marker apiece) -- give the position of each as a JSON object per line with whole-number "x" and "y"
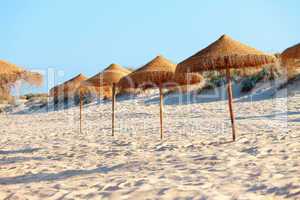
{"x": 11, "y": 73}
{"x": 224, "y": 54}
{"x": 159, "y": 72}
{"x": 110, "y": 75}
{"x": 68, "y": 88}
{"x": 290, "y": 59}
{"x": 153, "y": 74}
{"x": 102, "y": 82}
{"x": 9, "y": 68}
{"x": 291, "y": 53}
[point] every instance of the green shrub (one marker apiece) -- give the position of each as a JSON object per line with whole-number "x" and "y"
{"x": 266, "y": 74}
{"x": 214, "y": 80}
{"x": 248, "y": 85}
{"x": 35, "y": 96}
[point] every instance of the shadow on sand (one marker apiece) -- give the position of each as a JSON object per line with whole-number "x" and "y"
{"x": 16, "y": 159}
{"x": 283, "y": 191}
{"x": 289, "y": 113}
{"x": 294, "y": 120}
{"x": 217, "y": 144}
{"x": 41, "y": 177}
{"x": 26, "y": 150}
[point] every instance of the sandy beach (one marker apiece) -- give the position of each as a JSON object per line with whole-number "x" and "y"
{"x": 43, "y": 155}
{"x": 149, "y": 100}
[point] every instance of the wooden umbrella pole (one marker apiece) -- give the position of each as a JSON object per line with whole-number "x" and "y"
{"x": 80, "y": 111}
{"x": 161, "y": 112}
{"x": 113, "y": 108}
{"x": 229, "y": 91}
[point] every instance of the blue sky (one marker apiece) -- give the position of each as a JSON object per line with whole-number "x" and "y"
{"x": 74, "y": 36}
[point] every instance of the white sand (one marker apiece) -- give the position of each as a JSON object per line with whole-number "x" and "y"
{"x": 43, "y": 155}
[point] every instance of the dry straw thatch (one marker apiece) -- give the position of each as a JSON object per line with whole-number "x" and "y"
{"x": 225, "y": 53}
{"x": 290, "y": 59}
{"x": 103, "y": 81}
{"x": 9, "y": 68}
{"x": 112, "y": 74}
{"x": 68, "y": 88}
{"x": 158, "y": 73}
{"x": 291, "y": 53}
{"x": 153, "y": 74}
{"x": 11, "y": 73}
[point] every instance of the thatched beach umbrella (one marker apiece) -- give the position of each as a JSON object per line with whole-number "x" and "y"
{"x": 224, "y": 54}
{"x": 158, "y": 73}
{"x": 109, "y": 77}
{"x": 11, "y": 73}
{"x": 67, "y": 89}
{"x": 291, "y": 53}
{"x": 290, "y": 58}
